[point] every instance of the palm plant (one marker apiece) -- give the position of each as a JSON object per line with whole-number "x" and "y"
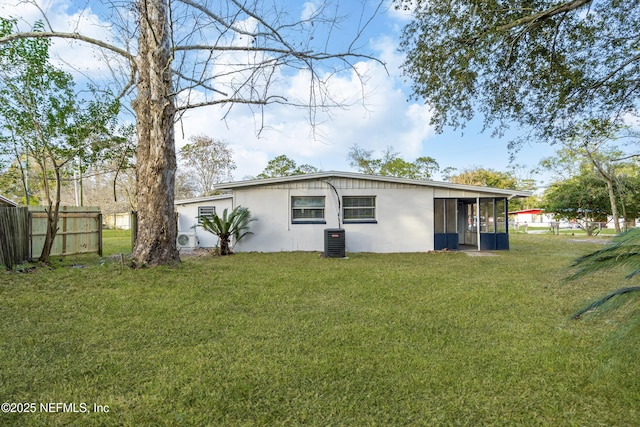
{"x": 624, "y": 252}
{"x": 230, "y": 225}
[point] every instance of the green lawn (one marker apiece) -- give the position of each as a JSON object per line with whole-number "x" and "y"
{"x": 116, "y": 241}
{"x": 293, "y": 339}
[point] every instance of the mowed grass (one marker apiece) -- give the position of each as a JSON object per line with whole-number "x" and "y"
{"x": 294, "y": 339}
{"x": 116, "y": 241}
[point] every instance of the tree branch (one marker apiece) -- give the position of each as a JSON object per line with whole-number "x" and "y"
{"x": 631, "y": 156}
{"x": 196, "y": 83}
{"x": 231, "y": 101}
{"x": 74, "y": 36}
{"x": 614, "y": 72}
{"x": 545, "y": 14}
{"x": 303, "y": 55}
{"x": 215, "y": 17}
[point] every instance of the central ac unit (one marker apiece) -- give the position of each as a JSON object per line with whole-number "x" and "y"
{"x": 334, "y": 243}
{"x": 187, "y": 240}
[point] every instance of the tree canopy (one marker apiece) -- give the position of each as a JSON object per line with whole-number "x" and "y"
{"x": 487, "y": 178}
{"x": 516, "y": 178}
{"x": 208, "y": 162}
{"x": 582, "y": 198}
{"x": 284, "y": 166}
{"x": 543, "y": 65}
{"x": 391, "y": 164}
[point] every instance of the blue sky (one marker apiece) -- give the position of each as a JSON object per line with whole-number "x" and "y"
{"x": 383, "y": 118}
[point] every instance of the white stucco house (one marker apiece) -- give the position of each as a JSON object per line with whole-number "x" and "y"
{"x": 374, "y": 214}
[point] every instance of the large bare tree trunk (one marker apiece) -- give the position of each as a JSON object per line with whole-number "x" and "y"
{"x": 156, "y": 155}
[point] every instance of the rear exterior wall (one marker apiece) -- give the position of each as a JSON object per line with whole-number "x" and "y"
{"x": 403, "y": 217}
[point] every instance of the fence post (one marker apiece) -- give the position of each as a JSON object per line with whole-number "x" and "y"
{"x": 100, "y": 234}
{"x": 30, "y": 227}
{"x": 134, "y": 228}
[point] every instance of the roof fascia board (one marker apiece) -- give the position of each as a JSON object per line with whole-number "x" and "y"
{"x": 353, "y": 175}
{"x": 9, "y": 202}
{"x": 203, "y": 199}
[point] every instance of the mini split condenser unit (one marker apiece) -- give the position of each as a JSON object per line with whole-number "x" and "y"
{"x": 187, "y": 240}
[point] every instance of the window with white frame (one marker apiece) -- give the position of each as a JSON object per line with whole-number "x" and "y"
{"x": 305, "y": 209}
{"x": 205, "y": 211}
{"x": 359, "y": 209}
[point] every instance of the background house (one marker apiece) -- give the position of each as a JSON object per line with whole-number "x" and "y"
{"x": 532, "y": 217}
{"x": 377, "y": 213}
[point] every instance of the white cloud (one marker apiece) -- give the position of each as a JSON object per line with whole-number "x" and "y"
{"x": 631, "y": 120}
{"x": 388, "y": 48}
{"x": 308, "y": 10}
{"x": 78, "y": 58}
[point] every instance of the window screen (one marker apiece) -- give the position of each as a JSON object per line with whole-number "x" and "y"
{"x": 445, "y": 216}
{"x": 307, "y": 208}
{"x": 487, "y": 216}
{"x": 359, "y": 208}
{"x": 501, "y": 216}
{"x": 452, "y": 215}
{"x": 438, "y": 215}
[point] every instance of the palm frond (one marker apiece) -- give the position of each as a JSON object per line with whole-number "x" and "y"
{"x": 210, "y": 223}
{"x": 240, "y": 221}
{"x": 604, "y": 299}
{"x": 624, "y": 252}
{"x": 632, "y": 274}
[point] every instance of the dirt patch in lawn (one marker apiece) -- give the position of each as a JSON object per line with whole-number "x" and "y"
{"x": 601, "y": 240}
{"x": 196, "y": 253}
{"x": 479, "y": 253}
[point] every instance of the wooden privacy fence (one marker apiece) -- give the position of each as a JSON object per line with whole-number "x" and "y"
{"x": 79, "y": 231}
{"x": 23, "y": 230}
{"x": 14, "y": 235}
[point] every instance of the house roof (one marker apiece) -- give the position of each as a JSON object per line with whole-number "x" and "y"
{"x": 336, "y": 174}
{"x": 527, "y": 211}
{"x": 5, "y": 201}
{"x": 204, "y": 199}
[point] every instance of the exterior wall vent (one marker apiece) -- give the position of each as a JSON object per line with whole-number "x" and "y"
{"x": 334, "y": 243}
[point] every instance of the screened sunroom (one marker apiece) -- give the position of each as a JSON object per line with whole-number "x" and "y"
{"x": 471, "y": 223}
